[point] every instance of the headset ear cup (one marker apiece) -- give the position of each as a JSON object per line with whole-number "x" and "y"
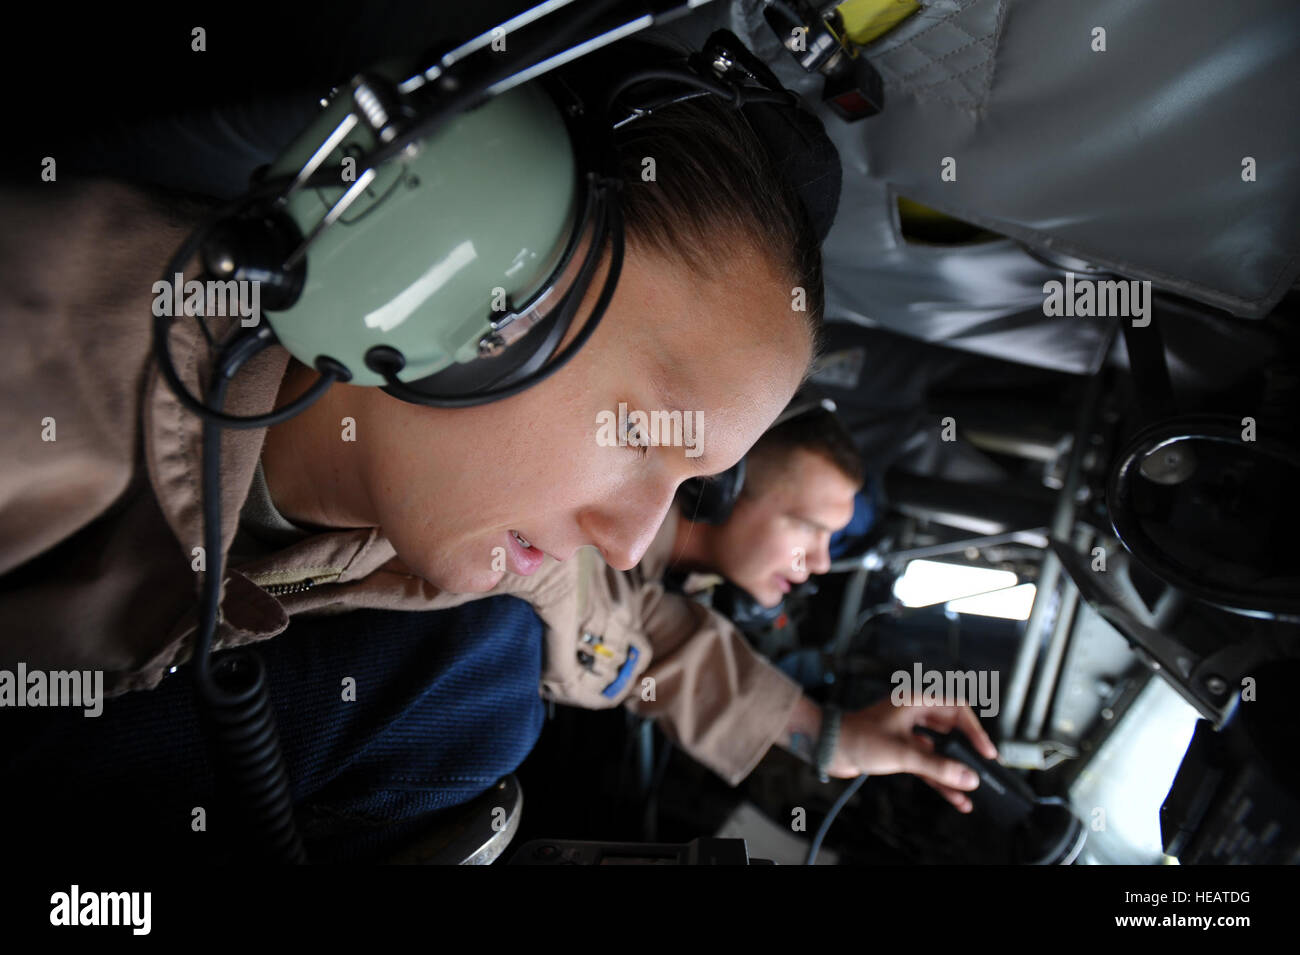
{"x": 711, "y": 500}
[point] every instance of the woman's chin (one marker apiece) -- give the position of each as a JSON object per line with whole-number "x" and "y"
{"x": 457, "y": 577}
{"x": 471, "y": 583}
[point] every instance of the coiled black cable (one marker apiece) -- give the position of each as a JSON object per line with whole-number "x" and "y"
{"x": 233, "y": 691}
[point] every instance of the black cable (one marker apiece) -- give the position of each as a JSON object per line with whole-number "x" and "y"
{"x": 650, "y": 818}
{"x": 468, "y": 94}
{"x": 235, "y": 355}
{"x": 845, "y": 796}
{"x": 738, "y": 95}
{"x": 233, "y": 692}
{"x": 458, "y": 99}
{"x": 162, "y": 354}
{"x": 162, "y": 329}
{"x": 210, "y": 415}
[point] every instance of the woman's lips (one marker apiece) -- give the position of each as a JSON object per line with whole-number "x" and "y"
{"x": 781, "y": 583}
{"x": 523, "y": 561}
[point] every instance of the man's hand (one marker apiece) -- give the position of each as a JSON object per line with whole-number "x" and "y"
{"x": 879, "y": 741}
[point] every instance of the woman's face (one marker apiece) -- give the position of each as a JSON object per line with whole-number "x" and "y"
{"x": 448, "y": 487}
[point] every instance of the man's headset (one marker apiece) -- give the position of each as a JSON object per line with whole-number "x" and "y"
{"x": 711, "y": 500}
{"x": 415, "y": 288}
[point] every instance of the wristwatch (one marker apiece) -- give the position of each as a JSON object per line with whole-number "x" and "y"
{"x": 826, "y": 742}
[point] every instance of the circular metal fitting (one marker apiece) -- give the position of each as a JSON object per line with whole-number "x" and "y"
{"x": 1171, "y": 463}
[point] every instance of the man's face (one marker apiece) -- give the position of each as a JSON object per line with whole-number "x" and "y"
{"x": 448, "y": 487}
{"x": 780, "y": 535}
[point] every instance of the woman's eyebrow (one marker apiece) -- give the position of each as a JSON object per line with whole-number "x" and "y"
{"x": 666, "y": 401}
{"x": 663, "y": 393}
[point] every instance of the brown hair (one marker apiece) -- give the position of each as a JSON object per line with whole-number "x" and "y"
{"x": 715, "y": 185}
{"x": 819, "y": 432}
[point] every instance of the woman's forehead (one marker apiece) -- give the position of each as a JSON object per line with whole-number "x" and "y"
{"x": 748, "y": 361}
{"x": 730, "y": 406}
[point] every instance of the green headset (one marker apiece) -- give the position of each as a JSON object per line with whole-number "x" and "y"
{"x": 446, "y": 268}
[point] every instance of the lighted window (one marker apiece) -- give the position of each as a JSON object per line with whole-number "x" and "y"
{"x": 1013, "y": 603}
{"x": 976, "y": 590}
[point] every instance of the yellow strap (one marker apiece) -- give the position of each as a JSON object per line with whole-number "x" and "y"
{"x": 866, "y": 21}
{"x": 911, "y": 210}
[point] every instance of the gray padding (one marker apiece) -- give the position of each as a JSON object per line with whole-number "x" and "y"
{"x": 1128, "y": 159}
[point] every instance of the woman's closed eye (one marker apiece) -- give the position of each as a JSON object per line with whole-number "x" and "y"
{"x": 636, "y": 439}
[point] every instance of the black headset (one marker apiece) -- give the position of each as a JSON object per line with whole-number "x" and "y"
{"x": 710, "y": 500}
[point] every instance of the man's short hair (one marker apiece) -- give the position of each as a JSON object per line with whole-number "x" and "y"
{"x": 820, "y": 432}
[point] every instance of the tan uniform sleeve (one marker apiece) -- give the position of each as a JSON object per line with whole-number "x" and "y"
{"x": 618, "y": 638}
{"x": 714, "y": 695}
{"x": 76, "y": 271}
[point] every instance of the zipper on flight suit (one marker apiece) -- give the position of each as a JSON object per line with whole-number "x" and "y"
{"x": 280, "y": 590}
{"x": 299, "y": 586}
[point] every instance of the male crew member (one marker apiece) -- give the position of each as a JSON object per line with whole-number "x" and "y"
{"x": 623, "y": 638}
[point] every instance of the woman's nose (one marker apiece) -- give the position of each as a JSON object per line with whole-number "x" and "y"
{"x": 622, "y": 531}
